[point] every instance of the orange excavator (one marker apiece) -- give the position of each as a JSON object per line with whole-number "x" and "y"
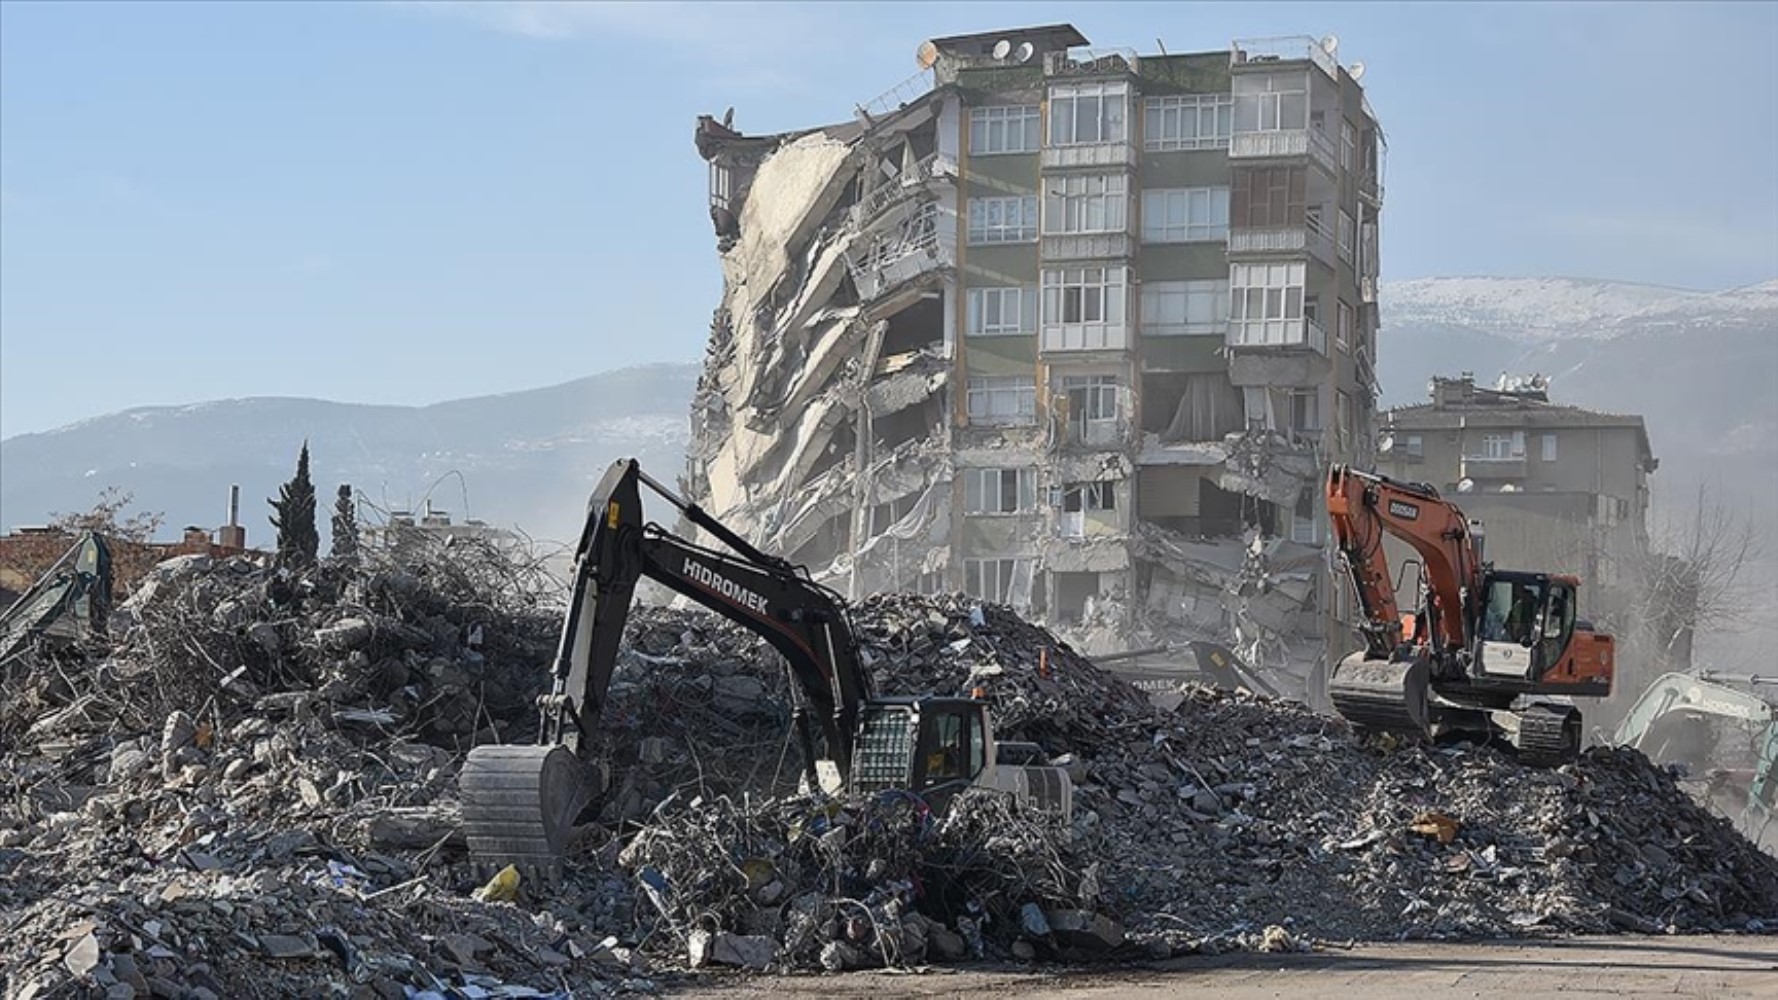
{"x": 1485, "y": 654}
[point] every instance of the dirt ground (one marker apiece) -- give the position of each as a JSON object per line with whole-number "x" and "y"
{"x": 1666, "y": 967}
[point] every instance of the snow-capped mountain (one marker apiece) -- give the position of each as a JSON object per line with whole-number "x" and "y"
{"x": 1536, "y": 309}
{"x": 522, "y": 458}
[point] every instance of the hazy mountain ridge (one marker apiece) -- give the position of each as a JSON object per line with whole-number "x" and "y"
{"x": 1535, "y": 309}
{"x": 525, "y": 458}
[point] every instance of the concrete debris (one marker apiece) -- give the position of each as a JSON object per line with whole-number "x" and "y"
{"x": 182, "y": 838}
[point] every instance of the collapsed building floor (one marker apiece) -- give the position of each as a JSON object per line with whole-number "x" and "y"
{"x": 912, "y": 386}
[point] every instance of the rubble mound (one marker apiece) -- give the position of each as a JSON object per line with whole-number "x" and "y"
{"x": 251, "y": 792}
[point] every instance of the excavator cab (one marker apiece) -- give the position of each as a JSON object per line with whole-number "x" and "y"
{"x": 938, "y": 747}
{"x": 1527, "y": 622}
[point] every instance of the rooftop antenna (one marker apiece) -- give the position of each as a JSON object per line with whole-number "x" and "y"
{"x": 1357, "y": 71}
{"x": 1002, "y": 49}
{"x": 1160, "y": 45}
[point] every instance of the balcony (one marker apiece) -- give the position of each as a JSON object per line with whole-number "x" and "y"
{"x": 1087, "y": 246}
{"x": 1091, "y": 62}
{"x": 1485, "y": 468}
{"x": 1120, "y": 155}
{"x": 1370, "y": 189}
{"x": 1278, "y": 334}
{"x": 1064, "y": 337}
{"x": 938, "y": 167}
{"x": 887, "y": 260}
{"x": 1284, "y": 144}
{"x": 1274, "y": 240}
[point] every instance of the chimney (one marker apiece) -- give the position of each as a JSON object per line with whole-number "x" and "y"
{"x": 232, "y": 535}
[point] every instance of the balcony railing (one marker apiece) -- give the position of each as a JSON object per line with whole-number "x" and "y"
{"x": 937, "y": 166}
{"x": 1091, "y": 62}
{"x": 1251, "y": 51}
{"x": 1280, "y": 334}
{"x": 1312, "y": 239}
{"x": 895, "y": 98}
{"x": 1284, "y": 143}
{"x": 1099, "y": 154}
{"x": 1087, "y": 246}
{"x": 921, "y": 244}
{"x": 1487, "y": 467}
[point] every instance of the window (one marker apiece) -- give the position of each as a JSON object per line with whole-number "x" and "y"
{"x": 996, "y": 130}
{"x": 1348, "y": 145}
{"x": 1085, "y": 203}
{"x": 1085, "y": 113}
{"x": 1343, "y": 416}
{"x": 1266, "y": 302}
{"x": 1346, "y": 236}
{"x": 1268, "y": 197}
{"x": 1549, "y": 447}
{"x": 1503, "y": 447}
{"x": 1343, "y": 331}
{"x": 944, "y": 759}
{"x": 1191, "y": 121}
{"x": 1185, "y": 215}
{"x": 1171, "y": 308}
{"x": 1097, "y": 496}
{"x": 1271, "y": 102}
{"x": 1305, "y": 527}
{"x": 999, "y": 491}
{"x": 999, "y": 311}
{"x": 1083, "y": 295}
{"x": 719, "y": 186}
{"x": 1002, "y": 399}
{"x": 993, "y": 579}
{"x": 1092, "y": 402}
{"x": 1003, "y": 220}
{"x": 1305, "y": 410}
{"x": 1415, "y": 446}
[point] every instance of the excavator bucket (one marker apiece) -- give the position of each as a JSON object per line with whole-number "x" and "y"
{"x": 520, "y": 804}
{"x": 1383, "y": 695}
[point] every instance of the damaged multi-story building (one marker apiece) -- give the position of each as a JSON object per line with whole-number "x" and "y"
{"x": 1074, "y": 330}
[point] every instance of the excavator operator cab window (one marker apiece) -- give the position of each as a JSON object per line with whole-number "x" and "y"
{"x": 1513, "y": 611}
{"x": 1558, "y": 624}
{"x": 947, "y": 755}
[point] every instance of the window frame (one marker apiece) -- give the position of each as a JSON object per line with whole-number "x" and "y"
{"x": 977, "y": 307}
{"x": 1154, "y": 295}
{"x": 984, "y": 231}
{"x": 979, "y": 483}
{"x": 989, "y": 388}
{"x": 1279, "y": 306}
{"x": 1348, "y": 235}
{"x": 984, "y": 119}
{"x": 1160, "y": 206}
{"x": 1219, "y": 108}
{"x": 1006, "y": 572}
{"x": 1069, "y": 212}
{"x": 1107, "y": 293}
{"x": 1072, "y": 96}
{"x": 1547, "y": 448}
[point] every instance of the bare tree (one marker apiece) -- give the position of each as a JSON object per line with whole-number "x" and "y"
{"x": 1700, "y": 557}
{"x": 107, "y": 518}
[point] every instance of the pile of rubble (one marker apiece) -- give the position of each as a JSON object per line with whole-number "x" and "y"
{"x": 251, "y": 792}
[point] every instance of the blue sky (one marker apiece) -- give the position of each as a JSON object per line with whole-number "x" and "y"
{"x": 411, "y": 202}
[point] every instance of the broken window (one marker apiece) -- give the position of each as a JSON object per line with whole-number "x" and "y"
{"x": 1266, "y": 303}
{"x": 1305, "y": 526}
{"x": 1185, "y": 215}
{"x": 994, "y": 579}
{"x": 1095, "y": 496}
{"x": 999, "y": 491}
{"x": 1171, "y": 308}
{"x": 1271, "y": 102}
{"x": 994, "y": 311}
{"x": 1085, "y": 113}
{"x": 1268, "y": 198}
{"x": 1092, "y": 402}
{"x": 1305, "y": 410}
{"x": 1189, "y": 121}
{"x": 1010, "y": 129}
{"x": 1002, "y": 399}
{"x": 1084, "y": 295}
{"x": 1003, "y": 220}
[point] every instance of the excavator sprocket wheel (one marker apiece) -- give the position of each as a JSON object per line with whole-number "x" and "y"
{"x": 1548, "y": 735}
{"x": 1389, "y": 696}
{"x": 519, "y": 806}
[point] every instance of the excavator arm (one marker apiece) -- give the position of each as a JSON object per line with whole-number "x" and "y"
{"x": 520, "y": 802}
{"x": 1363, "y": 507}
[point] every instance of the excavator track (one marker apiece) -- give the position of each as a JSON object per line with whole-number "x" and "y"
{"x": 1548, "y": 734}
{"x": 520, "y": 803}
{"x": 1382, "y": 695}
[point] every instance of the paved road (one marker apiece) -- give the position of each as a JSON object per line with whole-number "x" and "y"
{"x": 1664, "y": 967}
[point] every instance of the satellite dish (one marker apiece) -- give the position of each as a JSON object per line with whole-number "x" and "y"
{"x": 1002, "y": 49}
{"x": 1024, "y": 52}
{"x": 1508, "y": 488}
{"x": 926, "y": 55}
{"x": 1357, "y": 71}
{"x": 1329, "y": 43}
{"x": 1387, "y": 444}
{"x": 1466, "y": 486}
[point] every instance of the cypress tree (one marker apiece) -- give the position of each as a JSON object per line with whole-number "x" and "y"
{"x": 294, "y": 517}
